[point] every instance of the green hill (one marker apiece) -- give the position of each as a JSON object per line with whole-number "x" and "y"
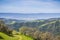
{"x": 15, "y": 37}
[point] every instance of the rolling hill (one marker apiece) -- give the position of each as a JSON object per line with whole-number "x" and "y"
{"x": 51, "y": 25}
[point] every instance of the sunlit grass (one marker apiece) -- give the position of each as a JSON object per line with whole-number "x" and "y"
{"x": 15, "y": 37}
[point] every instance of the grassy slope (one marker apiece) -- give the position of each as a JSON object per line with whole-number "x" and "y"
{"x": 22, "y": 37}
{"x": 6, "y": 37}
{"x": 47, "y": 24}
{"x": 16, "y": 37}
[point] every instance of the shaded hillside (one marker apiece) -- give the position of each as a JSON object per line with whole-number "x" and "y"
{"x": 53, "y": 26}
{"x": 50, "y": 25}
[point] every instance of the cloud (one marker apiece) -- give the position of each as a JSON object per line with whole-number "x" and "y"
{"x": 30, "y": 6}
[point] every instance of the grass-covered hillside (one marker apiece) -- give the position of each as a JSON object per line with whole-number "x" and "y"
{"x": 9, "y": 34}
{"x": 4, "y": 36}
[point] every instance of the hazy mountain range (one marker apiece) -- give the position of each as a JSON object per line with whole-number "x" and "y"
{"x": 29, "y": 16}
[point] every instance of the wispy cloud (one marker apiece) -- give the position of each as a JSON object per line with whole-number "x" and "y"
{"x": 30, "y": 6}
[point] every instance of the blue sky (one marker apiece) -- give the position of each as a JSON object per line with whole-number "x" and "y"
{"x": 29, "y": 16}
{"x": 29, "y": 6}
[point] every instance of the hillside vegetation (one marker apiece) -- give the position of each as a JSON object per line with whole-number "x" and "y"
{"x": 48, "y": 29}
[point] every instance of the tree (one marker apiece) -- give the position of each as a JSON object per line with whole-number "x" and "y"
{"x": 46, "y": 36}
{"x": 57, "y": 38}
{"x": 4, "y": 28}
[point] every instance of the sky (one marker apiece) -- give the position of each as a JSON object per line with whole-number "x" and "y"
{"x": 29, "y": 6}
{"x": 20, "y": 16}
